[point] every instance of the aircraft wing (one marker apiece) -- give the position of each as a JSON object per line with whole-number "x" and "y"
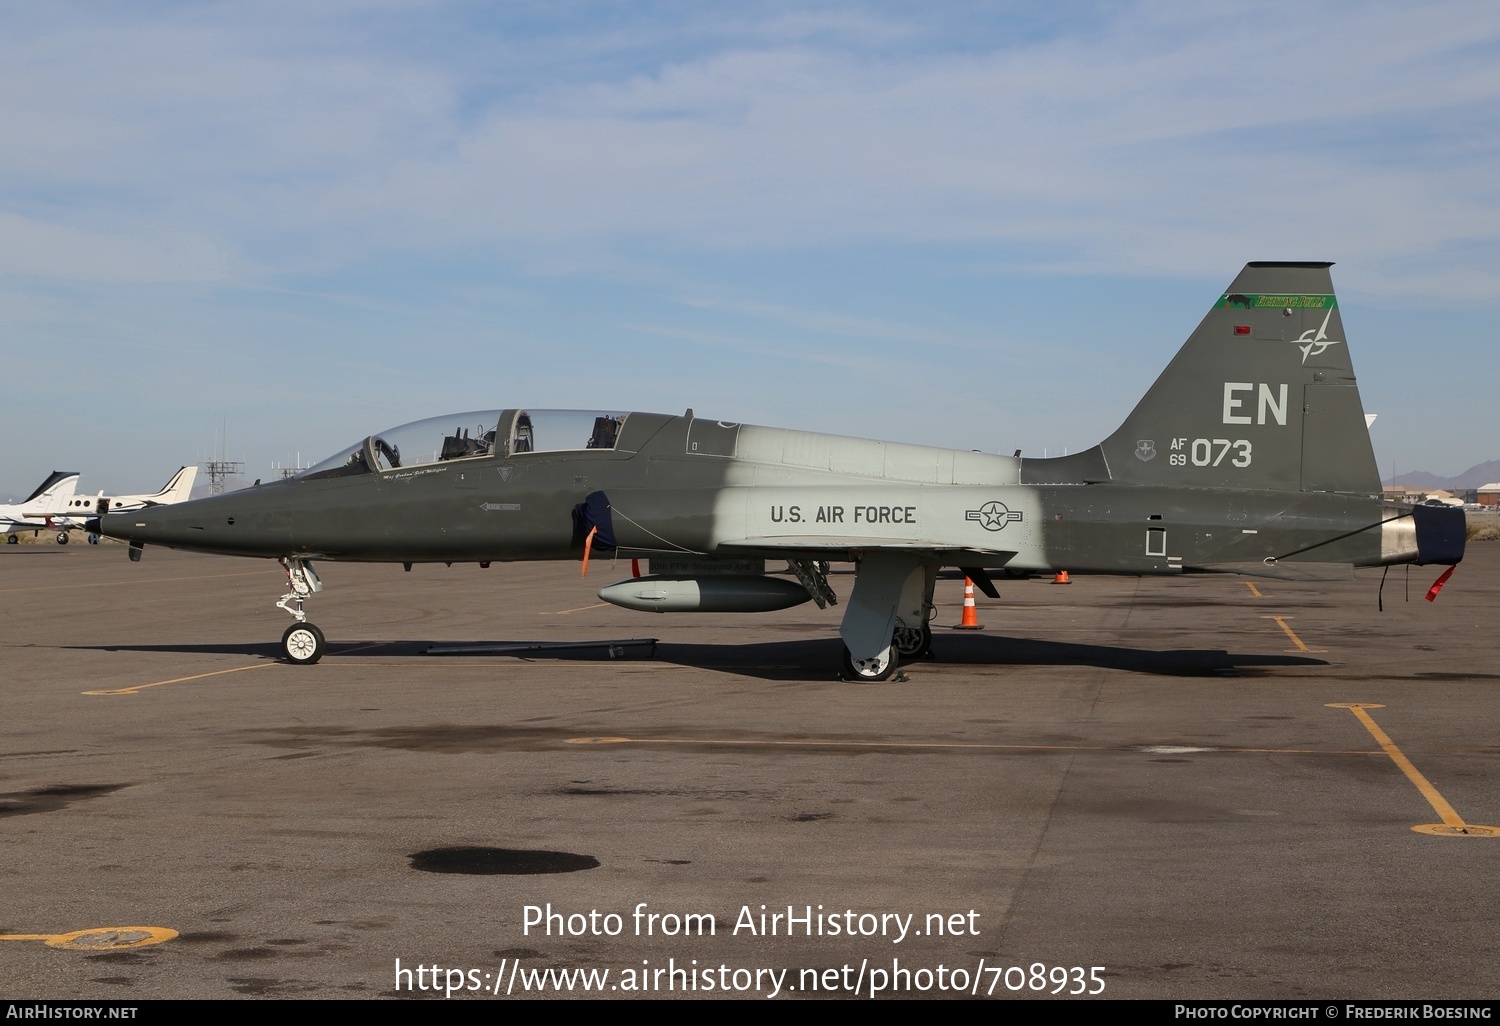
{"x": 1284, "y": 571}
{"x": 847, "y": 543}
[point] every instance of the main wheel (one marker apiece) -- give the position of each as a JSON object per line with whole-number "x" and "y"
{"x": 62, "y": 537}
{"x": 870, "y": 671}
{"x": 912, "y": 642}
{"x": 11, "y": 539}
{"x": 302, "y": 644}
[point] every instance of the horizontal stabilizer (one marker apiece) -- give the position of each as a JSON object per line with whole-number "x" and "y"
{"x": 1285, "y": 571}
{"x": 981, "y": 580}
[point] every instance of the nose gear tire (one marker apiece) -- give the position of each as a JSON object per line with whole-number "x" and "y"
{"x": 302, "y": 644}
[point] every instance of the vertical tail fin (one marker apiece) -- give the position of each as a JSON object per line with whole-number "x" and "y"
{"x": 178, "y": 488}
{"x": 52, "y": 496}
{"x": 1261, "y": 396}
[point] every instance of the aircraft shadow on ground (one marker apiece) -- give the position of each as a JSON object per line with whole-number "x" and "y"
{"x": 805, "y": 659}
{"x": 819, "y": 659}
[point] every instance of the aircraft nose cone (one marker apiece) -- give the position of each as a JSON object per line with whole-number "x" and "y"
{"x": 250, "y": 522}
{"x": 160, "y": 524}
{"x": 125, "y": 526}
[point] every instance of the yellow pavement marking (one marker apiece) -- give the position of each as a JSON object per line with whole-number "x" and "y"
{"x": 149, "y": 580}
{"x": 1253, "y": 589}
{"x": 565, "y": 612}
{"x": 1281, "y": 621}
{"x": 137, "y": 688}
{"x": 836, "y": 743}
{"x": 102, "y": 938}
{"x": 1452, "y": 824}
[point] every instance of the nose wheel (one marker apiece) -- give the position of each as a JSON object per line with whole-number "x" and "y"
{"x": 302, "y": 644}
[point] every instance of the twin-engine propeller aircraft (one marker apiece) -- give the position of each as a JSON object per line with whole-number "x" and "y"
{"x": 1249, "y": 455}
{"x": 82, "y": 509}
{"x": 41, "y": 507}
{"x": 55, "y": 505}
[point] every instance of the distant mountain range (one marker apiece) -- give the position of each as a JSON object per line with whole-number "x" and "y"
{"x": 1475, "y": 477}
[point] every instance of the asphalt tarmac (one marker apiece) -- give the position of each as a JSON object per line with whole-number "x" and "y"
{"x": 1202, "y": 787}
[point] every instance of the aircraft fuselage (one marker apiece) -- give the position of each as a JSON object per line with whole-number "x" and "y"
{"x": 1250, "y": 454}
{"x": 947, "y": 506}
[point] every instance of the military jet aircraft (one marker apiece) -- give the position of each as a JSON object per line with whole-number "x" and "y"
{"x": 1249, "y": 455}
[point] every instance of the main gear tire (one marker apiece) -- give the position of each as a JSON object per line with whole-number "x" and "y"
{"x": 871, "y": 671}
{"x": 912, "y": 642}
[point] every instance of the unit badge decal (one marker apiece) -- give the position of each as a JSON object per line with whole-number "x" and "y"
{"x": 1316, "y": 339}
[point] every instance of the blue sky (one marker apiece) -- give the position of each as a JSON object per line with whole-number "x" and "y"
{"x": 973, "y": 225}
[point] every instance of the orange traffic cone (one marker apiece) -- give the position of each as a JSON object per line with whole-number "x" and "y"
{"x": 1061, "y": 577}
{"x": 971, "y": 618}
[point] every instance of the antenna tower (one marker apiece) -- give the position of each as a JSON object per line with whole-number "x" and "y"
{"x": 220, "y": 470}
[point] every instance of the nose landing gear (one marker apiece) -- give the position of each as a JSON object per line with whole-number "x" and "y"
{"x": 302, "y": 643}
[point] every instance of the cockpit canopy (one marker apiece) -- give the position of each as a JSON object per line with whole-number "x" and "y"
{"x": 460, "y": 436}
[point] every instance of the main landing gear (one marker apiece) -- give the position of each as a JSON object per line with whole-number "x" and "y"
{"x": 907, "y": 644}
{"x": 302, "y": 643}
{"x": 912, "y": 642}
{"x": 885, "y": 620}
{"x": 872, "y": 670}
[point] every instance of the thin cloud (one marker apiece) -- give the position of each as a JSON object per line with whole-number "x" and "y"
{"x": 816, "y": 131}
